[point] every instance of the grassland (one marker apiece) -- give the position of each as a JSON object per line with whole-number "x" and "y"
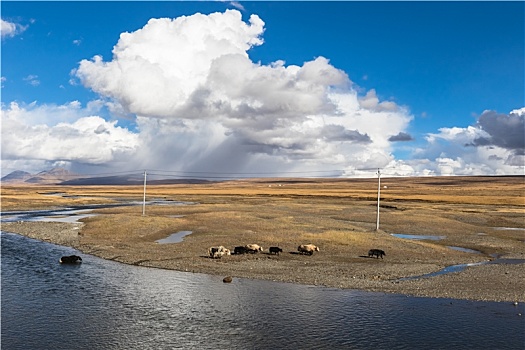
{"x": 339, "y": 216}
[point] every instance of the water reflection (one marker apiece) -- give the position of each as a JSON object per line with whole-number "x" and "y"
{"x": 461, "y": 267}
{"x": 70, "y": 216}
{"x": 465, "y": 250}
{"x": 448, "y": 269}
{"x": 418, "y": 237}
{"x": 75, "y": 213}
{"x": 106, "y": 305}
{"x": 509, "y": 228}
{"x": 174, "y": 237}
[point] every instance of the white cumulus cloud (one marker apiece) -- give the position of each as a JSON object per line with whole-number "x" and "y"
{"x": 61, "y": 134}
{"x": 10, "y": 29}
{"x": 156, "y": 69}
{"x": 196, "y": 71}
{"x": 198, "y": 102}
{"x": 494, "y": 146}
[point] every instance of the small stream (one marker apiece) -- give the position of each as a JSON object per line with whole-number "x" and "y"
{"x": 458, "y": 267}
{"x": 418, "y": 237}
{"x": 78, "y": 212}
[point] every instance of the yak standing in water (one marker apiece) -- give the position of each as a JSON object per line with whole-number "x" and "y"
{"x": 71, "y": 259}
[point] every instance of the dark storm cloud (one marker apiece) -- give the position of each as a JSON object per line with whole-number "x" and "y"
{"x": 505, "y": 131}
{"x": 339, "y": 133}
{"x": 401, "y": 137}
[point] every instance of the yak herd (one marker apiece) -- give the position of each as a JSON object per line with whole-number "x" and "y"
{"x": 219, "y": 251}
{"x": 305, "y": 249}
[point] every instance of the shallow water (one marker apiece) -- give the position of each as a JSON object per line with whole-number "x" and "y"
{"x": 509, "y": 228}
{"x": 102, "y": 304}
{"x": 174, "y": 237}
{"x": 465, "y": 250}
{"x": 70, "y": 216}
{"x": 458, "y": 267}
{"x": 418, "y": 237}
{"x": 75, "y": 211}
{"x": 448, "y": 269}
{"x": 461, "y": 267}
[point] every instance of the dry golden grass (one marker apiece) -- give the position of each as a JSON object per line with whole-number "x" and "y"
{"x": 337, "y": 215}
{"x": 291, "y": 211}
{"x": 507, "y": 191}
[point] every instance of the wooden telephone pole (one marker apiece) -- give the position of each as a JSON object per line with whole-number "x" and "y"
{"x": 378, "y": 196}
{"x": 144, "y": 201}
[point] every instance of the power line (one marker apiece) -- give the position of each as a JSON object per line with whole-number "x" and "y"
{"x": 116, "y": 173}
{"x": 277, "y": 174}
{"x": 131, "y": 172}
{"x": 248, "y": 173}
{"x": 234, "y": 176}
{"x": 333, "y": 173}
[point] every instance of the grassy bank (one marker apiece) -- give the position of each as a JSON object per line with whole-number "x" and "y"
{"x": 339, "y": 216}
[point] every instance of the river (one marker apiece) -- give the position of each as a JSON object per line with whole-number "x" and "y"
{"x": 102, "y": 304}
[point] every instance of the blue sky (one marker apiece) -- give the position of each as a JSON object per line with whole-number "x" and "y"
{"x": 420, "y": 88}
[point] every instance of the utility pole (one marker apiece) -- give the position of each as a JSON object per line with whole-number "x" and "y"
{"x": 378, "y": 196}
{"x": 144, "y": 201}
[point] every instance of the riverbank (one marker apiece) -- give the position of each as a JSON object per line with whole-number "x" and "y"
{"x": 488, "y": 282}
{"x": 460, "y": 227}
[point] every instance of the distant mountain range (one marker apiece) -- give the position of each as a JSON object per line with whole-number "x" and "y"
{"x": 61, "y": 176}
{"x": 17, "y": 176}
{"x": 48, "y": 177}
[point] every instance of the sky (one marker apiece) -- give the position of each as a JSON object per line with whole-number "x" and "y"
{"x": 242, "y": 89}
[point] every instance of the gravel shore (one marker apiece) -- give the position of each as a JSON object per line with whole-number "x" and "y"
{"x": 504, "y": 282}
